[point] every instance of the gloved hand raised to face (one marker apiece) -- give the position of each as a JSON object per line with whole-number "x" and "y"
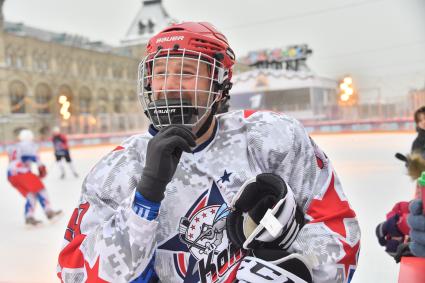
{"x": 264, "y": 214}
{"x": 162, "y": 156}
{"x": 416, "y": 221}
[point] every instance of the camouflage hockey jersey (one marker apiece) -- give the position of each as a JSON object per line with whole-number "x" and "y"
{"x": 107, "y": 241}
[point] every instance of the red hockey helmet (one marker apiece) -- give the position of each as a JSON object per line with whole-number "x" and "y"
{"x": 192, "y": 104}
{"x": 200, "y": 37}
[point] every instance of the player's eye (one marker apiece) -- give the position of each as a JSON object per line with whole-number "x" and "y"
{"x": 160, "y": 72}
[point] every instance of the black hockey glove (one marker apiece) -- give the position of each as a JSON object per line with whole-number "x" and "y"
{"x": 163, "y": 154}
{"x": 264, "y": 214}
{"x": 389, "y": 236}
{"x": 269, "y": 266}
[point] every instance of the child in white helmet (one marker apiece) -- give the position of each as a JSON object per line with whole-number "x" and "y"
{"x": 21, "y": 156}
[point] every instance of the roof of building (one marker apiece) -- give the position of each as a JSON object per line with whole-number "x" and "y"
{"x": 67, "y": 39}
{"x": 150, "y": 19}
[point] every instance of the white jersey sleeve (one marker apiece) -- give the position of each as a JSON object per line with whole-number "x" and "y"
{"x": 105, "y": 240}
{"x": 331, "y": 238}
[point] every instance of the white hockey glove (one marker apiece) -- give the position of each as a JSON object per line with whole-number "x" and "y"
{"x": 266, "y": 266}
{"x": 264, "y": 214}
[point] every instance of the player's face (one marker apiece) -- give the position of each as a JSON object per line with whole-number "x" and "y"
{"x": 185, "y": 77}
{"x": 421, "y": 121}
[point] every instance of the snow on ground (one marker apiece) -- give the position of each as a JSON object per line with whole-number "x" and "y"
{"x": 372, "y": 178}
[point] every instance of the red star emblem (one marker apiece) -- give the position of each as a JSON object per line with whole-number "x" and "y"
{"x": 204, "y": 214}
{"x": 197, "y": 219}
{"x": 350, "y": 258}
{"x": 331, "y": 210}
{"x": 212, "y": 211}
{"x": 192, "y": 227}
{"x": 93, "y": 273}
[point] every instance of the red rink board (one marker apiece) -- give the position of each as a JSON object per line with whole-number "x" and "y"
{"x": 412, "y": 270}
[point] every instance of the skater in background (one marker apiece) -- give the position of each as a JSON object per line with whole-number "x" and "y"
{"x": 60, "y": 145}
{"x": 418, "y": 145}
{"x": 21, "y": 156}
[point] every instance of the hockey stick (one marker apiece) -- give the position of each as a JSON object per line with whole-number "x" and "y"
{"x": 401, "y": 157}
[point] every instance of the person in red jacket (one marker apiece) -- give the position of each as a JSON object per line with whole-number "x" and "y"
{"x": 60, "y": 145}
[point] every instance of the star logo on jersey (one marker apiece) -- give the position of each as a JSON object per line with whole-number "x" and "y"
{"x": 201, "y": 249}
{"x": 225, "y": 177}
{"x": 331, "y": 210}
{"x": 350, "y": 259}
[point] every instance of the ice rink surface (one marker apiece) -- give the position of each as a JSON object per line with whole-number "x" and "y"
{"x": 372, "y": 179}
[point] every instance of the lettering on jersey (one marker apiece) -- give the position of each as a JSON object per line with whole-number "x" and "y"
{"x": 170, "y": 38}
{"x": 203, "y": 252}
{"x": 259, "y": 271}
{"x": 73, "y": 228}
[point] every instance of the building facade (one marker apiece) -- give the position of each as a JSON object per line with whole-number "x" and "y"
{"x": 55, "y": 79}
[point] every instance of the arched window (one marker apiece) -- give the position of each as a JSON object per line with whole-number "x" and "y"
{"x": 133, "y": 102}
{"x": 10, "y": 56}
{"x": 118, "y": 102}
{"x": 64, "y": 64}
{"x": 17, "y": 94}
{"x": 40, "y": 60}
{"x": 21, "y": 58}
{"x": 84, "y": 100}
{"x": 101, "y": 69}
{"x": 132, "y": 71}
{"x": 117, "y": 71}
{"x": 102, "y": 101}
{"x": 15, "y": 56}
{"x": 43, "y": 97}
{"x": 83, "y": 65}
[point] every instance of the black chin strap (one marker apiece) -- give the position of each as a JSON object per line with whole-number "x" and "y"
{"x": 204, "y": 128}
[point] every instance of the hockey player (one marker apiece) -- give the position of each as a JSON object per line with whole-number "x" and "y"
{"x": 60, "y": 145}
{"x": 21, "y": 156}
{"x": 203, "y": 197}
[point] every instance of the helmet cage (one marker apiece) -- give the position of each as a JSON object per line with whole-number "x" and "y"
{"x": 173, "y": 110}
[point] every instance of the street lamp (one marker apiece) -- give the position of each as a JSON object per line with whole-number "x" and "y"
{"x": 347, "y": 96}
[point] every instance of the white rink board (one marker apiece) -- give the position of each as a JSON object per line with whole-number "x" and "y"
{"x": 372, "y": 179}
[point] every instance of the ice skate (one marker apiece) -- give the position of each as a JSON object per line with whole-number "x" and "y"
{"x": 53, "y": 215}
{"x": 31, "y": 221}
